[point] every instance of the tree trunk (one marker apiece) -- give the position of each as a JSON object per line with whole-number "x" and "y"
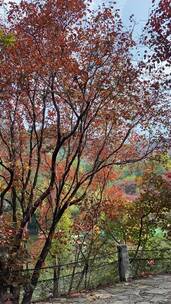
{"x": 4, "y": 296}
{"x": 36, "y": 273}
{"x": 9, "y": 295}
{"x": 15, "y": 294}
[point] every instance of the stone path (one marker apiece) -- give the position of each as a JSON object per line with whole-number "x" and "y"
{"x": 145, "y": 291}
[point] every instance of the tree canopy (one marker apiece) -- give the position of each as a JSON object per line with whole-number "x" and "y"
{"x": 70, "y": 93}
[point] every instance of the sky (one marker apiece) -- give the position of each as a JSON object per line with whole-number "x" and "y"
{"x": 140, "y": 9}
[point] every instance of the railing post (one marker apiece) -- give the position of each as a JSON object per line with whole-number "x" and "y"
{"x": 123, "y": 263}
{"x": 56, "y": 277}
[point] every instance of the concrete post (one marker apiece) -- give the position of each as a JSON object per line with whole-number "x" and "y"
{"x": 123, "y": 263}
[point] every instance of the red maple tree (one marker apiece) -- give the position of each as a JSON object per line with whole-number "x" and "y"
{"x": 70, "y": 95}
{"x": 159, "y": 31}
